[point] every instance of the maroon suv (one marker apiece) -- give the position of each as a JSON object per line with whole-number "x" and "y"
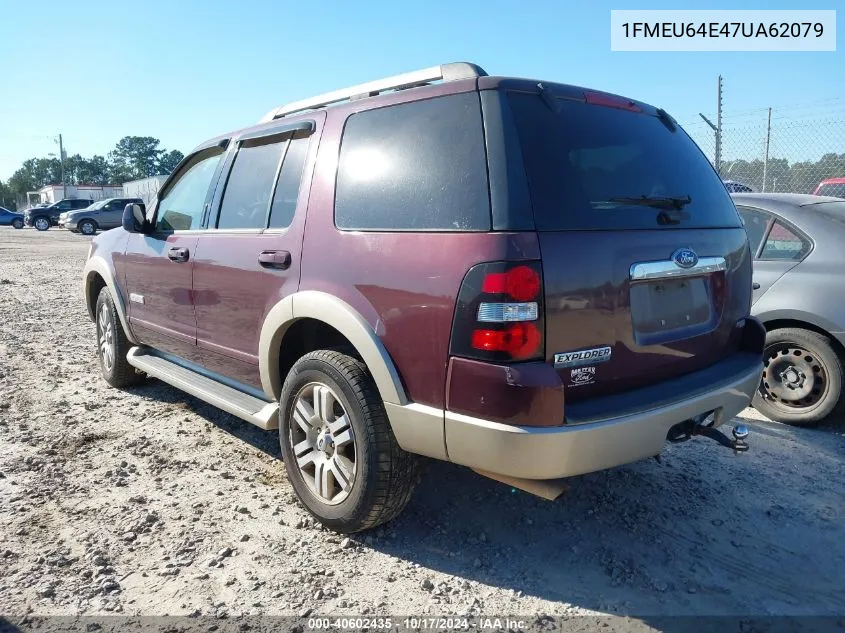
{"x": 527, "y": 278}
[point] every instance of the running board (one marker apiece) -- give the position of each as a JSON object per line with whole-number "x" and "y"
{"x": 259, "y": 412}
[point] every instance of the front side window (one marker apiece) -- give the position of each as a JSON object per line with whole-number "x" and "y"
{"x": 246, "y": 198}
{"x": 182, "y": 205}
{"x": 417, "y": 166}
{"x": 785, "y": 244}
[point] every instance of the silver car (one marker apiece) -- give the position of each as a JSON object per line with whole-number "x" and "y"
{"x": 797, "y": 243}
{"x": 102, "y": 215}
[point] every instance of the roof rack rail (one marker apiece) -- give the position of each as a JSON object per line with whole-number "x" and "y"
{"x": 443, "y": 72}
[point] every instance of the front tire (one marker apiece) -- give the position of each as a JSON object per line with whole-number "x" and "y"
{"x": 340, "y": 453}
{"x": 41, "y": 223}
{"x": 802, "y": 377}
{"x": 17, "y": 223}
{"x": 112, "y": 344}
{"x": 87, "y": 227}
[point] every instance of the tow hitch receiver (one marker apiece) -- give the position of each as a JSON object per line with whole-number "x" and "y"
{"x": 683, "y": 431}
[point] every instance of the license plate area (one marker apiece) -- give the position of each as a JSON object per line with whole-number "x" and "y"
{"x": 672, "y": 309}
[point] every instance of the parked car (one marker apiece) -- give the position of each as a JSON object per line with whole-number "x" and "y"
{"x": 737, "y": 187}
{"x": 834, "y": 187}
{"x": 797, "y": 242}
{"x": 11, "y": 218}
{"x": 102, "y": 215}
{"x": 382, "y": 278}
{"x": 45, "y": 217}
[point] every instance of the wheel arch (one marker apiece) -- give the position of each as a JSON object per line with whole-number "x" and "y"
{"x": 793, "y": 322}
{"x": 338, "y": 315}
{"x": 86, "y": 219}
{"x": 97, "y": 275}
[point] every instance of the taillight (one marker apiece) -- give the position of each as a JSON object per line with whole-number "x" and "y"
{"x": 499, "y": 314}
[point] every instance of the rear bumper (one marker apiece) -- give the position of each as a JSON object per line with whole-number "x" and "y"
{"x": 564, "y": 451}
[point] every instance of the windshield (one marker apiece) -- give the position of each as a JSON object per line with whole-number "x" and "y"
{"x": 592, "y": 167}
{"x": 97, "y": 205}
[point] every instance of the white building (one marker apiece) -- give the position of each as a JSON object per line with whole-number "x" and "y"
{"x": 54, "y": 193}
{"x": 145, "y": 188}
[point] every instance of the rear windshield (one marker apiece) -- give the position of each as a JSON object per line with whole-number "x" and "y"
{"x": 589, "y": 168}
{"x": 834, "y": 189}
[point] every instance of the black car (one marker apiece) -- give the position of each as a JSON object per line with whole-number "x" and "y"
{"x": 12, "y": 218}
{"x": 45, "y": 217}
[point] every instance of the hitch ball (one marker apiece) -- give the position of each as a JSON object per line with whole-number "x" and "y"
{"x": 740, "y": 432}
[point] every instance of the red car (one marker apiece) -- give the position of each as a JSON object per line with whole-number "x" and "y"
{"x": 833, "y": 187}
{"x": 531, "y": 279}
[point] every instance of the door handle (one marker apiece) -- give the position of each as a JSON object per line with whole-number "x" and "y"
{"x": 178, "y": 254}
{"x": 274, "y": 259}
{"x": 755, "y": 286}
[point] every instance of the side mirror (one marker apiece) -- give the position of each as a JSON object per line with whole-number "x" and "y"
{"x": 134, "y": 219}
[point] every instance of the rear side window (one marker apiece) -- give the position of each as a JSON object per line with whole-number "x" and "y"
{"x": 246, "y": 198}
{"x": 785, "y": 244}
{"x": 417, "y": 166}
{"x": 585, "y": 164}
{"x": 287, "y": 187}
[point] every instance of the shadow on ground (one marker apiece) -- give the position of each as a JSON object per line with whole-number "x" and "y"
{"x": 704, "y": 532}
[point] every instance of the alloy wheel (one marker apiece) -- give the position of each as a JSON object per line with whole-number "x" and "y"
{"x": 322, "y": 439}
{"x": 105, "y": 337}
{"x": 42, "y": 224}
{"x": 87, "y": 228}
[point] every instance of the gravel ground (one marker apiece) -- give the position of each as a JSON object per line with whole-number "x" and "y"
{"x": 150, "y": 502}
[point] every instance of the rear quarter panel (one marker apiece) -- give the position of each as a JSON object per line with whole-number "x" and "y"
{"x": 403, "y": 284}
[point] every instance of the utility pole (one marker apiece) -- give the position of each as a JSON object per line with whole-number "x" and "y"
{"x": 62, "y": 163}
{"x": 766, "y": 160}
{"x": 719, "y": 129}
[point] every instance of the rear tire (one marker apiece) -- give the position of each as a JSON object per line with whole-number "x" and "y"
{"x": 41, "y": 223}
{"x": 112, "y": 344}
{"x": 802, "y": 377}
{"x": 340, "y": 453}
{"x": 88, "y": 227}
{"x": 17, "y": 223}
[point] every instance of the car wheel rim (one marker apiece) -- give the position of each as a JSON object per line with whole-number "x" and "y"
{"x": 794, "y": 378}
{"x": 323, "y": 443}
{"x": 87, "y": 228}
{"x": 41, "y": 224}
{"x": 105, "y": 337}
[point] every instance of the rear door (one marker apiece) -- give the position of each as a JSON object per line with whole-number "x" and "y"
{"x": 782, "y": 248}
{"x": 249, "y": 258}
{"x": 646, "y": 265}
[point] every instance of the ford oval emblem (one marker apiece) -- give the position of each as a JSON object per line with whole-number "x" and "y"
{"x": 685, "y": 257}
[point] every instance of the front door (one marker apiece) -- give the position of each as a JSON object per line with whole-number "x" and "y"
{"x": 159, "y": 264}
{"x": 249, "y": 259}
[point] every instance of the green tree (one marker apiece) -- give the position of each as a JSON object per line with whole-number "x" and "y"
{"x": 134, "y": 157}
{"x": 7, "y": 197}
{"x": 168, "y": 162}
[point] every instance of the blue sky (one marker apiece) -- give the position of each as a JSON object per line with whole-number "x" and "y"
{"x": 186, "y": 70}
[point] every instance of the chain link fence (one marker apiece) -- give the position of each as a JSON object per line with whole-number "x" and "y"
{"x": 792, "y": 154}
